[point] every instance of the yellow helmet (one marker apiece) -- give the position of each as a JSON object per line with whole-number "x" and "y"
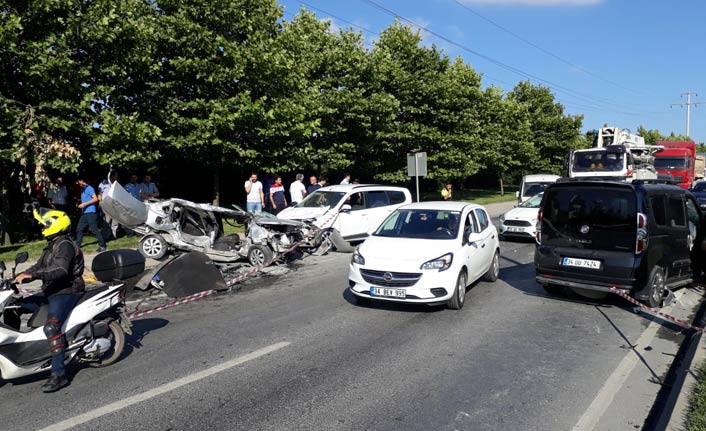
{"x": 54, "y": 222}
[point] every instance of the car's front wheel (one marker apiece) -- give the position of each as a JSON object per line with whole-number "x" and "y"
{"x": 259, "y": 255}
{"x": 153, "y": 246}
{"x": 459, "y": 296}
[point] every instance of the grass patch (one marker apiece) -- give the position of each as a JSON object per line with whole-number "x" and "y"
{"x": 476, "y": 196}
{"x": 696, "y": 414}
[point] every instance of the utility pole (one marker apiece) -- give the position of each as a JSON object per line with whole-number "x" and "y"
{"x": 688, "y": 105}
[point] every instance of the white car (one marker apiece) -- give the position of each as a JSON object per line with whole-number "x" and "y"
{"x": 427, "y": 252}
{"x": 353, "y": 210}
{"x": 533, "y": 185}
{"x": 521, "y": 221}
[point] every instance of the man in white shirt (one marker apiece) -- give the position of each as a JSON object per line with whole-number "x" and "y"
{"x": 346, "y": 179}
{"x": 256, "y": 196}
{"x": 297, "y": 190}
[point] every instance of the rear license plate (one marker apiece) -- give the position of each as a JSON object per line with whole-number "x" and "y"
{"x": 390, "y": 293}
{"x": 581, "y": 263}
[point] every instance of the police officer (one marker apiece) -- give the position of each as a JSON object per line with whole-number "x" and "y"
{"x": 60, "y": 267}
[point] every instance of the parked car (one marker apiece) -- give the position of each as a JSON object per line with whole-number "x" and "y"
{"x": 533, "y": 185}
{"x": 427, "y": 252}
{"x": 521, "y": 221}
{"x": 638, "y": 237}
{"x": 178, "y": 225}
{"x": 699, "y": 191}
{"x": 349, "y": 212}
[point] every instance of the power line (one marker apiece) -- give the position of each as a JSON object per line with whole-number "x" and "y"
{"x": 544, "y": 50}
{"x": 340, "y": 19}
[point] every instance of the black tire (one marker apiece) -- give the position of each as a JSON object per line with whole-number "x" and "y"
{"x": 153, "y": 246}
{"x": 459, "y": 296}
{"x": 492, "y": 274}
{"x": 552, "y": 289}
{"x": 259, "y": 255}
{"x": 655, "y": 286}
{"x": 117, "y": 336}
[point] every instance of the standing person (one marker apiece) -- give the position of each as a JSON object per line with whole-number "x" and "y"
{"x": 103, "y": 188}
{"x": 256, "y": 197}
{"x": 346, "y": 178}
{"x": 60, "y": 267}
{"x": 133, "y": 188}
{"x": 447, "y": 192}
{"x": 277, "y": 198}
{"x": 297, "y": 190}
{"x": 148, "y": 189}
{"x": 313, "y": 185}
{"x": 356, "y": 181}
{"x": 57, "y": 194}
{"x": 89, "y": 214}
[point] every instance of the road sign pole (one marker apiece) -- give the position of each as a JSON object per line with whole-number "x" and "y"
{"x": 416, "y": 174}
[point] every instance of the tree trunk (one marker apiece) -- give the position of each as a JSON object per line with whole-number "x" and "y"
{"x": 217, "y": 185}
{"x": 502, "y": 187}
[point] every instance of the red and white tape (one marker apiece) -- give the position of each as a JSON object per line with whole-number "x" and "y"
{"x": 680, "y": 322}
{"x": 183, "y": 300}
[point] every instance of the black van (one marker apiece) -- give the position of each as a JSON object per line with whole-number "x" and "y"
{"x": 636, "y": 236}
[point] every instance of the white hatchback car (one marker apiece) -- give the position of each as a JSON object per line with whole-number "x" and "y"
{"x": 521, "y": 221}
{"x": 354, "y": 210}
{"x": 427, "y": 252}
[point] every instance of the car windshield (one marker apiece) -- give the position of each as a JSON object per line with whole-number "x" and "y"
{"x": 420, "y": 223}
{"x": 532, "y": 202}
{"x": 587, "y": 161}
{"x": 321, "y": 198}
{"x": 531, "y": 189}
{"x": 670, "y": 163}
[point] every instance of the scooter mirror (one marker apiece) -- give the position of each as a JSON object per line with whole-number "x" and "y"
{"x": 21, "y": 258}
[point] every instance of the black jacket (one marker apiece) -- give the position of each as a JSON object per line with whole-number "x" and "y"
{"x": 60, "y": 267}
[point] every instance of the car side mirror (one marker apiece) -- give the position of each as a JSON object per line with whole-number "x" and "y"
{"x": 517, "y": 194}
{"x": 21, "y": 258}
{"x": 346, "y": 208}
{"x": 474, "y": 237}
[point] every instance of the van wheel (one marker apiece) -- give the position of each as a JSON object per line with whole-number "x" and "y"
{"x": 459, "y": 297}
{"x": 552, "y": 289}
{"x": 494, "y": 270}
{"x": 656, "y": 287}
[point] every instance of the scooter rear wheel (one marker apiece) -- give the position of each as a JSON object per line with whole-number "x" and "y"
{"x": 117, "y": 338}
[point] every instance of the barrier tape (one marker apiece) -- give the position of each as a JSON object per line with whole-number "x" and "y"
{"x": 680, "y": 322}
{"x": 136, "y": 314}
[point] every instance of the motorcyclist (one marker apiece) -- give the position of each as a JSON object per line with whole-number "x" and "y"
{"x": 60, "y": 267}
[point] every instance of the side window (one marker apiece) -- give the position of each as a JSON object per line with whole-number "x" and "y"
{"x": 657, "y": 203}
{"x": 692, "y": 214}
{"x": 675, "y": 212}
{"x": 375, "y": 199}
{"x": 356, "y": 201}
{"x": 395, "y": 197}
{"x": 473, "y": 223}
{"x": 482, "y": 219}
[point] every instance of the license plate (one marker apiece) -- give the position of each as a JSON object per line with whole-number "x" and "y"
{"x": 391, "y": 293}
{"x": 515, "y": 229}
{"x": 581, "y": 263}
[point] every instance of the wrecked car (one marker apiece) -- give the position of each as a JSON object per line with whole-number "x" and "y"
{"x": 178, "y": 225}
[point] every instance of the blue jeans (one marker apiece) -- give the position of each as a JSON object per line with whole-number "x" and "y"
{"x": 254, "y": 207}
{"x": 90, "y": 221}
{"x": 60, "y": 307}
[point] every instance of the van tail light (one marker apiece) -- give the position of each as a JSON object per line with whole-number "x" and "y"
{"x": 630, "y": 172}
{"x": 538, "y": 232}
{"x": 641, "y": 239}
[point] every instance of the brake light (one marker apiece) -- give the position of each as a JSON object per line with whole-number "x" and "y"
{"x": 641, "y": 238}
{"x": 538, "y": 232}
{"x": 629, "y": 172}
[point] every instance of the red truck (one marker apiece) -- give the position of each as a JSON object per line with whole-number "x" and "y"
{"x": 678, "y": 159}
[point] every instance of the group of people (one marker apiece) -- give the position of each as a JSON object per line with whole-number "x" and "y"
{"x": 276, "y": 196}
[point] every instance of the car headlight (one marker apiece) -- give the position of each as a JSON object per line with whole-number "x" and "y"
{"x": 534, "y": 221}
{"x": 441, "y": 263}
{"x": 502, "y": 217}
{"x": 357, "y": 258}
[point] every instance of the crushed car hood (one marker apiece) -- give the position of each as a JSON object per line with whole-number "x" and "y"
{"x": 295, "y": 213}
{"x": 122, "y": 207}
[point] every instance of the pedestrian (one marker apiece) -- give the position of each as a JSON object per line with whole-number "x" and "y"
{"x": 103, "y": 188}
{"x": 277, "y": 197}
{"x": 89, "y": 214}
{"x": 322, "y": 182}
{"x": 133, "y": 187}
{"x": 447, "y": 192}
{"x": 346, "y": 178}
{"x": 297, "y": 190}
{"x": 148, "y": 189}
{"x": 256, "y": 196}
{"x": 60, "y": 267}
{"x": 57, "y": 194}
{"x": 313, "y": 185}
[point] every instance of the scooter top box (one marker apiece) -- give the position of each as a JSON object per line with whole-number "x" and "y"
{"x": 117, "y": 264}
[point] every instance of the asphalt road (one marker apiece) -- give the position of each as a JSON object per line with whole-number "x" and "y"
{"x": 511, "y": 359}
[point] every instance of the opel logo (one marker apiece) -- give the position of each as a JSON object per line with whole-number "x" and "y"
{"x": 387, "y": 276}
{"x": 585, "y": 229}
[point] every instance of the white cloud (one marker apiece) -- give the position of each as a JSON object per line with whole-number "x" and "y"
{"x": 534, "y": 2}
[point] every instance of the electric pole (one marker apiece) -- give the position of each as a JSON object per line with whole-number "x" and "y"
{"x": 688, "y": 105}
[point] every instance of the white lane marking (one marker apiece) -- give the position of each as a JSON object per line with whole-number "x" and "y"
{"x": 160, "y": 390}
{"x": 617, "y": 379}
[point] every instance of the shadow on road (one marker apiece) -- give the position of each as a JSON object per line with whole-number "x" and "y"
{"x": 140, "y": 329}
{"x": 391, "y": 306}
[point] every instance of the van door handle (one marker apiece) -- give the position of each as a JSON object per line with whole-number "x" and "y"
{"x": 482, "y": 246}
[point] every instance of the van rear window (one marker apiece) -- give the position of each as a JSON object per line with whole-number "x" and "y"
{"x": 588, "y": 217}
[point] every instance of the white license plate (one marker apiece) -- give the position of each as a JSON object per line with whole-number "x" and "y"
{"x": 515, "y": 229}
{"x": 391, "y": 293}
{"x": 581, "y": 263}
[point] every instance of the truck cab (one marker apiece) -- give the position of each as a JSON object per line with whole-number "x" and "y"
{"x": 677, "y": 160}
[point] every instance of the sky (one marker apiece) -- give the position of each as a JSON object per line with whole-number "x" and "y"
{"x": 617, "y": 62}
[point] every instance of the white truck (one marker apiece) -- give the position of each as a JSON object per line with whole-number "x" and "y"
{"x": 617, "y": 154}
